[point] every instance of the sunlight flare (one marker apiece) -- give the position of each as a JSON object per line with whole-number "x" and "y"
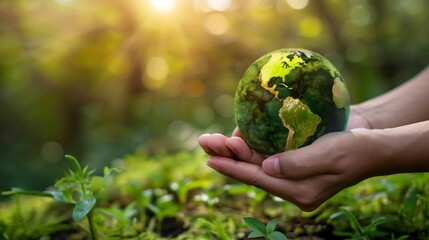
{"x": 162, "y": 5}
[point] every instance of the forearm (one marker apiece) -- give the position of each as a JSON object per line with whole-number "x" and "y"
{"x": 408, "y": 103}
{"x": 398, "y": 150}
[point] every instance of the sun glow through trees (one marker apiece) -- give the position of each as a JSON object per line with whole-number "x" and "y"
{"x": 162, "y": 5}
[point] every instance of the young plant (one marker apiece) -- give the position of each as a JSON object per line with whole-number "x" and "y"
{"x": 261, "y": 230}
{"x": 414, "y": 211}
{"x": 123, "y": 221}
{"x": 79, "y": 188}
{"x": 163, "y": 207}
{"x": 360, "y": 232}
{"x": 220, "y": 227}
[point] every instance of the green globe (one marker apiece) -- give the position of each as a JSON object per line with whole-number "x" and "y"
{"x": 288, "y": 98}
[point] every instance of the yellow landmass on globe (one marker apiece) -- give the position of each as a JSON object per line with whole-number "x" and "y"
{"x": 340, "y": 93}
{"x": 300, "y": 120}
{"x": 279, "y": 65}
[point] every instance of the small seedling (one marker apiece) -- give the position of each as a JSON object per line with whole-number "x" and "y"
{"x": 261, "y": 230}
{"x": 163, "y": 207}
{"x": 221, "y": 228}
{"x": 79, "y": 188}
{"x": 360, "y": 232}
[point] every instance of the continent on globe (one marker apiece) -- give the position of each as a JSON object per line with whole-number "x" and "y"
{"x": 288, "y": 98}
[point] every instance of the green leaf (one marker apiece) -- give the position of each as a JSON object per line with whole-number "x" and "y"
{"x": 74, "y": 162}
{"x": 97, "y": 183}
{"x": 107, "y": 171}
{"x": 60, "y": 197}
{"x": 88, "y": 174}
{"x": 3, "y": 236}
{"x": 238, "y": 189}
{"x": 257, "y": 226}
{"x": 372, "y": 227}
{"x": 154, "y": 209}
{"x": 277, "y": 236}
{"x": 378, "y": 221}
{"x": 203, "y": 223}
{"x": 83, "y": 207}
{"x": 338, "y": 217}
{"x": 403, "y": 237}
{"x": 410, "y": 202}
{"x": 255, "y": 234}
{"x": 354, "y": 222}
{"x": 271, "y": 226}
{"x": 14, "y": 191}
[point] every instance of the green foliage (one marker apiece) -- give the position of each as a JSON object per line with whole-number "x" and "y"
{"x": 151, "y": 198}
{"x": 30, "y": 218}
{"x": 122, "y": 221}
{"x": 222, "y": 228}
{"x": 260, "y": 230}
{"x": 78, "y": 187}
{"x": 89, "y": 87}
{"x": 359, "y": 231}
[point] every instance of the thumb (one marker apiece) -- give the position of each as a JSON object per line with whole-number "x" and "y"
{"x": 316, "y": 159}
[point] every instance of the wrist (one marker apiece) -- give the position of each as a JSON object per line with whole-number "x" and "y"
{"x": 398, "y": 150}
{"x": 373, "y": 153}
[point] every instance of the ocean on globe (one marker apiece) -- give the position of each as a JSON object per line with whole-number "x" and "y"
{"x": 288, "y": 98}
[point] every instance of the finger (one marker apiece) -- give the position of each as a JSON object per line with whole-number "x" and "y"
{"x": 245, "y": 172}
{"x": 203, "y": 142}
{"x": 236, "y": 133}
{"x": 243, "y": 152}
{"x": 217, "y": 144}
{"x": 307, "y": 194}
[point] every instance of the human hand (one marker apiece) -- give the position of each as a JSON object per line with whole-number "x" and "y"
{"x": 357, "y": 119}
{"x": 307, "y": 176}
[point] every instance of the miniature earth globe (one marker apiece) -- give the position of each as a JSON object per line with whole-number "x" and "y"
{"x": 288, "y": 98}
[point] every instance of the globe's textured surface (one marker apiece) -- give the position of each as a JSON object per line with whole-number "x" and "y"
{"x": 288, "y": 98}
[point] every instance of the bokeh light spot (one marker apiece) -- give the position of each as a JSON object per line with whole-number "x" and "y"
{"x": 216, "y": 24}
{"x": 219, "y": 5}
{"x": 310, "y": 27}
{"x": 157, "y": 70}
{"x": 360, "y": 15}
{"x": 224, "y": 105}
{"x": 184, "y": 133}
{"x": 52, "y": 152}
{"x": 64, "y": 2}
{"x": 162, "y": 5}
{"x": 297, "y": 4}
{"x": 411, "y": 7}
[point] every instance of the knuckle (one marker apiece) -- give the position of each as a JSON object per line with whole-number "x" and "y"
{"x": 255, "y": 179}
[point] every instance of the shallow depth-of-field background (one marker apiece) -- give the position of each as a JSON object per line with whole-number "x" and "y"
{"x": 134, "y": 83}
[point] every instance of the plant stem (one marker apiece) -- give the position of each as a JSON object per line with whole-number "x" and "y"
{"x": 92, "y": 227}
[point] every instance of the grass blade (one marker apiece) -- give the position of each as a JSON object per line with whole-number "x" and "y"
{"x": 354, "y": 222}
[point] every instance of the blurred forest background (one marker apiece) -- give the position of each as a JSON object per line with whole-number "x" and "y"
{"x": 102, "y": 79}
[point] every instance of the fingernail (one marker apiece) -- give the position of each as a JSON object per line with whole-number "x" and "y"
{"x": 271, "y": 166}
{"x": 203, "y": 136}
